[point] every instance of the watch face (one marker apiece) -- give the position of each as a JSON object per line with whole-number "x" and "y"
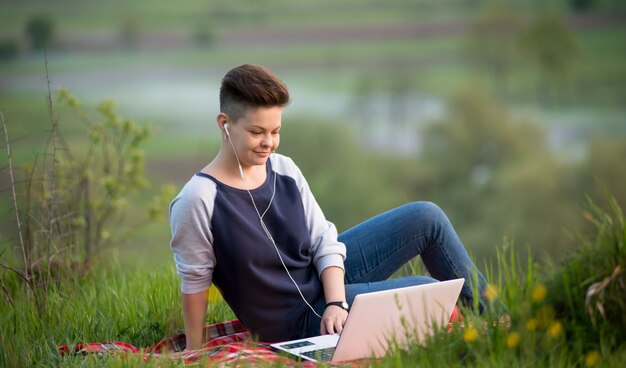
{"x": 344, "y": 305}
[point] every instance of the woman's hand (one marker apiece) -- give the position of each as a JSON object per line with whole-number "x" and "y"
{"x": 333, "y": 320}
{"x": 334, "y": 316}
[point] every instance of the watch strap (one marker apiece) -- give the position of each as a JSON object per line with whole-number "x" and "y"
{"x": 341, "y": 304}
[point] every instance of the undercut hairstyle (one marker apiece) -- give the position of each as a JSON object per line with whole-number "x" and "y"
{"x": 251, "y": 86}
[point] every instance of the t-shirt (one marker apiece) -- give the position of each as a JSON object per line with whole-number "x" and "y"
{"x": 217, "y": 237}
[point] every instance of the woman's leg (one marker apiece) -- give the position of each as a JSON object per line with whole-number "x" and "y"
{"x": 379, "y": 246}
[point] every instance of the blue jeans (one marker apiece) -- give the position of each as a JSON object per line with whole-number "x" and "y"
{"x": 379, "y": 246}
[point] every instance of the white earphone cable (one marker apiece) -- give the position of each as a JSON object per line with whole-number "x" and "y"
{"x": 265, "y": 229}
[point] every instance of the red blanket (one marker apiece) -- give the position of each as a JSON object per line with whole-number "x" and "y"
{"x": 228, "y": 342}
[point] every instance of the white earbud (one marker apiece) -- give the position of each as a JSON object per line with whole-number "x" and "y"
{"x": 234, "y": 150}
{"x": 241, "y": 172}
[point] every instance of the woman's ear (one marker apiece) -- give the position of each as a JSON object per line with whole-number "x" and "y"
{"x": 222, "y": 123}
{"x": 221, "y": 119}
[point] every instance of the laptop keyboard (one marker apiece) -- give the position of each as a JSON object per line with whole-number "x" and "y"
{"x": 323, "y": 355}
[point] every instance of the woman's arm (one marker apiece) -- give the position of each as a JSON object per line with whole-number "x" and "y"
{"x": 194, "y": 310}
{"x": 192, "y": 245}
{"x": 327, "y": 252}
{"x": 334, "y": 317}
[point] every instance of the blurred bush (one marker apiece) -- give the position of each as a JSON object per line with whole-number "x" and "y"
{"x": 129, "y": 33}
{"x": 552, "y": 47}
{"x": 204, "y": 36}
{"x": 77, "y": 200}
{"x": 491, "y": 172}
{"x": 495, "y": 177}
{"x": 39, "y": 31}
{"x": 589, "y": 289}
{"x": 581, "y": 5}
{"x": 349, "y": 183}
{"x": 602, "y": 172}
{"x": 9, "y": 49}
{"x": 494, "y": 40}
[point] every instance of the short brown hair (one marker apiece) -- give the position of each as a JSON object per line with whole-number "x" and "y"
{"x": 249, "y": 86}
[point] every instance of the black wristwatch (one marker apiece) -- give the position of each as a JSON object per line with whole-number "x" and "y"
{"x": 342, "y": 305}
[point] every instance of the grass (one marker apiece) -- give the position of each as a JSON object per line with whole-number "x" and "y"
{"x": 140, "y": 305}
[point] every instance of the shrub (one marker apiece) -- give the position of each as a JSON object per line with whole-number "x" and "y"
{"x": 77, "y": 200}
{"x": 589, "y": 289}
{"x": 9, "y": 49}
{"x": 39, "y": 31}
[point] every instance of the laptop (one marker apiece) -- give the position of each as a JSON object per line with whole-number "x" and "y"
{"x": 395, "y": 317}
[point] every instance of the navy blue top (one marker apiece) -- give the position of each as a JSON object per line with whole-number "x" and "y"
{"x": 244, "y": 263}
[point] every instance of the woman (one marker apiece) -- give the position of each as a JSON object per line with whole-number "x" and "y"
{"x": 249, "y": 223}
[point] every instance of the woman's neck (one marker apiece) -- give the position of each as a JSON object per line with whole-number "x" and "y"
{"x": 226, "y": 170}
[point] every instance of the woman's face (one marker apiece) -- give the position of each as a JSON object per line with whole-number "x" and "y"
{"x": 256, "y": 134}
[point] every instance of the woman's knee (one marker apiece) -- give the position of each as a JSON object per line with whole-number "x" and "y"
{"x": 420, "y": 280}
{"x": 428, "y": 211}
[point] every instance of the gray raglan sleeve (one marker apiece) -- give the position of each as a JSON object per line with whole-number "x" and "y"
{"x": 192, "y": 240}
{"x": 326, "y": 249}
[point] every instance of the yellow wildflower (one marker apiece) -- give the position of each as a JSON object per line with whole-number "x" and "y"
{"x": 470, "y": 334}
{"x": 555, "y": 329}
{"x": 532, "y": 324}
{"x": 213, "y": 295}
{"x": 491, "y": 292}
{"x": 539, "y": 293}
{"x": 545, "y": 315}
{"x": 592, "y": 358}
{"x": 512, "y": 340}
{"x": 105, "y": 235}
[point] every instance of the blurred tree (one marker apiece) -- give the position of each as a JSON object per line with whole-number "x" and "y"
{"x": 204, "y": 36}
{"x": 476, "y": 140}
{"x": 129, "y": 33}
{"x": 399, "y": 89}
{"x": 9, "y": 49}
{"x": 603, "y": 171}
{"x": 40, "y": 31}
{"x": 494, "y": 42}
{"x": 553, "y": 48}
{"x": 349, "y": 183}
{"x": 363, "y": 94}
{"x": 495, "y": 177}
{"x": 581, "y": 5}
